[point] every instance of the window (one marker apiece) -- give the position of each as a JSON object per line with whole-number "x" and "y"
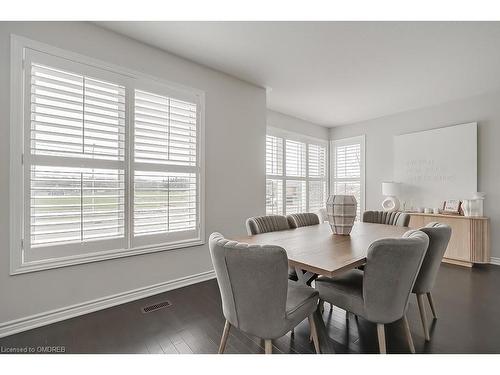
{"x": 296, "y": 173}
{"x": 110, "y": 161}
{"x": 348, "y": 169}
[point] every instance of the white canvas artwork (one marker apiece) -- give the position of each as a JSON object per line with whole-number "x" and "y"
{"x": 436, "y": 165}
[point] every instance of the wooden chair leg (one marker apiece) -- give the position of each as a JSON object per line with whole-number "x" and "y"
{"x": 431, "y": 304}
{"x": 268, "y": 346}
{"x": 421, "y": 307}
{"x": 225, "y": 335}
{"x": 321, "y": 306}
{"x": 381, "y": 338}
{"x": 314, "y": 333}
{"x": 408, "y": 335}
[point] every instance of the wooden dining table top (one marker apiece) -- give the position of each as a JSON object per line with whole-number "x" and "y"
{"x": 316, "y": 249}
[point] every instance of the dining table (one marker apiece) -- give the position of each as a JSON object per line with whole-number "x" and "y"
{"x": 315, "y": 250}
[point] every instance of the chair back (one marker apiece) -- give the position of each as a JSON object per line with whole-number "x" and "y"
{"x": 253, "y": 282}
{"x": 390, "y": 272}
{"x": 302, "y": 220}
{"x": 439, "y": 236}
{"x": 264, "y": 224}
{"x": 399, "y": 219}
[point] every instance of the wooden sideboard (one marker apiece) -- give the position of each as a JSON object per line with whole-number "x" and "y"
{"x": 470, "y": 237}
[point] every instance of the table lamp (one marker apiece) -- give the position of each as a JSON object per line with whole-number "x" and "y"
{"x": 390, "y": 190}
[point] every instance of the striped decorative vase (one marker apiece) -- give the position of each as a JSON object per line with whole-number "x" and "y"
{"x": 341, "y": 213}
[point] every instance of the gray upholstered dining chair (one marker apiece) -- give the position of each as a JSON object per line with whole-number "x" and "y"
{"x": 264, "y": 224}
{"x": 399, "y": 219}
{"x": 257, "y": 297}
{"x": 269, "y": 223}
{"x": 380, "y": 294}
{"x": 297, "y": 221}
{"x": 302, "y": 220}
{"x": 439, "y": 237}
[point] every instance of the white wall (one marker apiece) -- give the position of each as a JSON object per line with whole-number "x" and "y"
{"x": 293, "y": 124}
{"x": 235, "y": 170}
{"x": 484, "y": 109}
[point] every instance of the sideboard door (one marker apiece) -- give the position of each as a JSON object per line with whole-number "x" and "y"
{"x": 459, "y": 246}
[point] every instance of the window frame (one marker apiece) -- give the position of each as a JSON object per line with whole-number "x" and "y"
{"x": 297, "y": 137}
{"x": 20, "y": 48}
{"x": 334, "y": 143}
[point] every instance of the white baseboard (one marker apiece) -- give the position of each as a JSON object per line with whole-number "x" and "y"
{"x": 38, "y": 320}
{"x": 495, "y": 261}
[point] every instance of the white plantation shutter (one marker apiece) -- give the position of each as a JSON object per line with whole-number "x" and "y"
{"x": 274, "y": 155}
{"x": 164, "y": 202}
{"x": 76, "y": 116}
{"x": 75, "y": 156}
{"x": 317, "y": 173}
{"x": 295, "y": 158}
{"x": 296, "y": 173}
{"x": 75, "y": 204}
{"x": 111, "y": 163}
{"x": 165, "y": 130}
{"x": 274, "y": 196}
{"x": 295, "y": 196}
{"x": 317, "y": 195}
{"x": 317, "y": 161}
{"x": 348, "y": 175}
{"x": 166, "y": 182}
{"x": 348, "y": 161}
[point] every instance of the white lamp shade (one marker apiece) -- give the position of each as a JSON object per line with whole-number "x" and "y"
{"x": 390, "y": 188}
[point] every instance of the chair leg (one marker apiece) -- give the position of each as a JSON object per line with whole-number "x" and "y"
{"x": 421, "y": 307}
{"x": 225, "y": 335}
{"x": 381, "y": 338}
{"x": 292, "y": 332}
{"x": 431, "y": 304}
{"x": 408, "y": 335}
{"x": 268, "y": 346}
{"x": 314, "y": 333}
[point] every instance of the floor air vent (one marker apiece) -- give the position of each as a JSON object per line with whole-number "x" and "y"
{"x": 156, "y": 306}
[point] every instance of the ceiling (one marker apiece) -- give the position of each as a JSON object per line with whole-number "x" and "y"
{"x": 335, "y": 73}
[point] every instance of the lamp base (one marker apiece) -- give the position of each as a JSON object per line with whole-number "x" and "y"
{"x": 391, "y": 204}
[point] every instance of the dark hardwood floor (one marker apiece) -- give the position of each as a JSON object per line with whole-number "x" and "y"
{"x": 467, "y": 300}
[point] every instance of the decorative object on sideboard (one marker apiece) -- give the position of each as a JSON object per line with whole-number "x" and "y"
{"x": 390, "y": 190}
{"x": 452, "y": 207}
{"x": 341, "y": 213}
{"x": 475, "y": 205}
